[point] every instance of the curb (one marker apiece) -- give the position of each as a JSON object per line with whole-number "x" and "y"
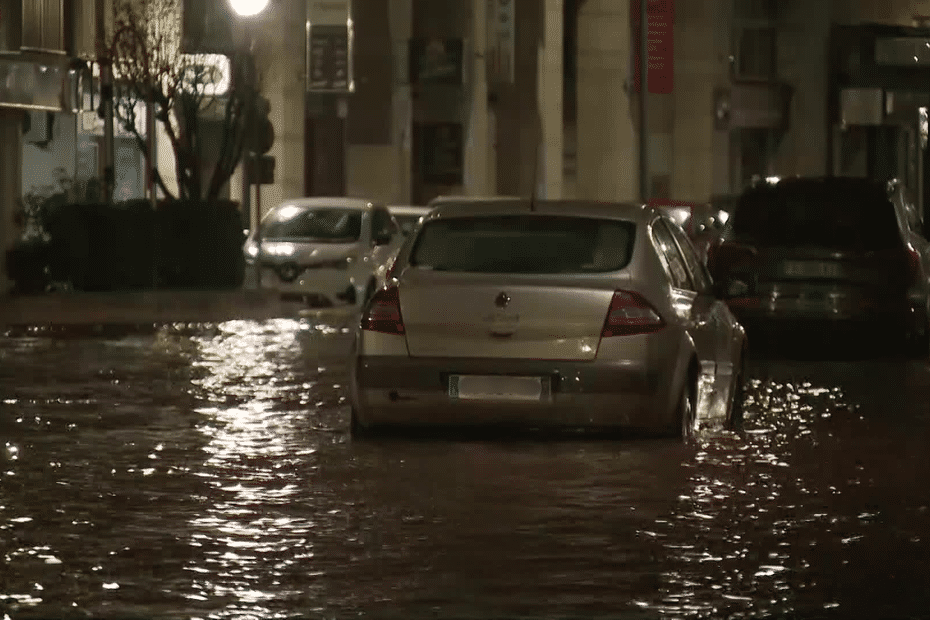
{"x": 140, "y": 308}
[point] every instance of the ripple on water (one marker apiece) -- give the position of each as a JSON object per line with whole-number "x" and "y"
{"x": 184, "y": 474}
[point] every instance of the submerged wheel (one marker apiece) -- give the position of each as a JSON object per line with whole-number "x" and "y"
{"x": 357, "y": 430}
{"x": 686, "y": 414}
{"x": 735, "y": 422}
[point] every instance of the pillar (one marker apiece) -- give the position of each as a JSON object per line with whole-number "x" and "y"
{"x": 11, "y": 176}
{"x": 606, "y": 152}
{"x": 549, "y": 67}
{"x": 477, "y": 146}
{"x": 401, "y": 26}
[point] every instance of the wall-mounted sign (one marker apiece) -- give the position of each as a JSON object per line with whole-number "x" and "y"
{"x": 661, "y": 16}
{"x": 329, "y": 59}
{"x": 436, "y": 61}
{"x": 330, "y": 12}
{"x": 501, "y": 40}
{"x": 37, "y": 86}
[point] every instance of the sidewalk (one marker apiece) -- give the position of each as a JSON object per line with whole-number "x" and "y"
{"x": 141, "y": 307}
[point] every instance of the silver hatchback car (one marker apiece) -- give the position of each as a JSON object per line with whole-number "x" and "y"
{"x": 547, "y": 314}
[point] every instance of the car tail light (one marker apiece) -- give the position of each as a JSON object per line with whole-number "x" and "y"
{"x": 383, "y": 312}
{"x": 630, "y": 314}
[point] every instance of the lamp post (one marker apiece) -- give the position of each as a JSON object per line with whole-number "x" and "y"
{"x": 246, "y": 9}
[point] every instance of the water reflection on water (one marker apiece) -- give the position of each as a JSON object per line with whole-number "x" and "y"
{"x": 205, "y": 471}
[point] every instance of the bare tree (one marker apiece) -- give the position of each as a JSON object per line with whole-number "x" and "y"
{"x": 149, "y": 66}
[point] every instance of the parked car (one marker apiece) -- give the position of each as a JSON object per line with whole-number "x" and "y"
{"x": 826, "y": 253}
{"x": 559, "y": 313}
{"x": 324, "y": 251}
{"x": 408, "y": 216}
{"x": 702, "y": 221}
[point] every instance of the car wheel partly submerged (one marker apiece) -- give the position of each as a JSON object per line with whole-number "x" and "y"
{"x": 357, "y": 430}
{"x": 686, "y": 414}
{"x": 735, "y": 422}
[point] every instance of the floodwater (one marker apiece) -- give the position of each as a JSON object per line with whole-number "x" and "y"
{"x": 206, "y": 471}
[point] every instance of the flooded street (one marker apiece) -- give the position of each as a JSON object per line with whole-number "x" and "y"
{"x": 207, "y": 471}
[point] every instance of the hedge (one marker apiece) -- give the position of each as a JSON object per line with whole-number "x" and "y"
{"x": 130, "y": 246}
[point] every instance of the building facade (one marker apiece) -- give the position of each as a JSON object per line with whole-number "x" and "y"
{"x": 502, "y": 97}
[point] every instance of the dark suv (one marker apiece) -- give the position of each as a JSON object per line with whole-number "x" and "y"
{"x": 824, "y": 253}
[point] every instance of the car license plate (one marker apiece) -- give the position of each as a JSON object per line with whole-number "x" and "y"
{"x": 811, "y": 269}
{"x": 497, "y": 387}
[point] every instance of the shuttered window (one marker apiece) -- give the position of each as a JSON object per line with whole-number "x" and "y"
{"x": 43, "y": 25}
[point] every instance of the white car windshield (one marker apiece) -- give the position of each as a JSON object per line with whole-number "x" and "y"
{"x": 327, "y": 224}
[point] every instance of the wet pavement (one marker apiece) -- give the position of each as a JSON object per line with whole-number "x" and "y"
{"x": 206, "y": 471}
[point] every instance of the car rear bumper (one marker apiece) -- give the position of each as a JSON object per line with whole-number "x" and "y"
{"x": 396, "y": 390}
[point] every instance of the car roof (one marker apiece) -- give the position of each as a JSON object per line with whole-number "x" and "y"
{"x": 363, "y": 204}
{"x": 630, "y": 211}
{"x": 795, "y": 183}
{"x": 438, "y": 200}
{"x": 408, "y": 209}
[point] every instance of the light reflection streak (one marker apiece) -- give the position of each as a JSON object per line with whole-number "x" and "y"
{"x": 734, "y": 487}
{"x": 251, "y": 462}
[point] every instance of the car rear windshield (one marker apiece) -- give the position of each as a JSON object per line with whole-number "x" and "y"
{"x": 327, "y": 224}
{"x": 524, "y": 245}
{"x": 839, "y": 217}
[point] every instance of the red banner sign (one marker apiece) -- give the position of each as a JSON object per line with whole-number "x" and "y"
{"x": 661, "y": 14}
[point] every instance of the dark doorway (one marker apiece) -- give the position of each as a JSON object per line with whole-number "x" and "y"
{"x": 324, "y": 154}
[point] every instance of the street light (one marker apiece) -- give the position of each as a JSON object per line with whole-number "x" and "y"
{"x": 248, "y": 8}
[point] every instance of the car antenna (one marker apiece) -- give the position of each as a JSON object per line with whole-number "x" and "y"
{"x": 535, "y": 180}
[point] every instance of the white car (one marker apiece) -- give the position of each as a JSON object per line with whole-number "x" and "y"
{"x": 323, "y": 251}
{"x": 408, "y": 216}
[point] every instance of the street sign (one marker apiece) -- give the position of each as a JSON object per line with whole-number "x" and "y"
{"x": 661, "y": 16}
{"x": 329, "y": 65}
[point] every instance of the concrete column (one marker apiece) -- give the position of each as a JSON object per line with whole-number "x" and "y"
{"x": 606, "y": 154}
{"x": 477, "y": 141}
{"x": 401, "y": 25}
{"x": 11, "y": 150}
{"x": 549, "y": 96}
{"x": 804, "y": 150}
{"x": 701, "y": 63}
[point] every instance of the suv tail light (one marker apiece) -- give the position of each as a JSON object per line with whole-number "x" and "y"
{"x": 631, "y": 314}
{"x": 383, "y": 312}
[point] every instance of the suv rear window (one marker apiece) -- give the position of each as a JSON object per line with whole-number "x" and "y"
{"x": 852, "y": 216}
{"x": 524, "y": 244}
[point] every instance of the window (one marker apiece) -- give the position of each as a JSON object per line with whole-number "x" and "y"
{"x": 756, "y": 53}
{"x": 329, "y": 224}
{"x": 699, "y": 274}
{"x": 382, "y": 223}
{"x": 524, "y": 244}
{"x": 671, "y": 258}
